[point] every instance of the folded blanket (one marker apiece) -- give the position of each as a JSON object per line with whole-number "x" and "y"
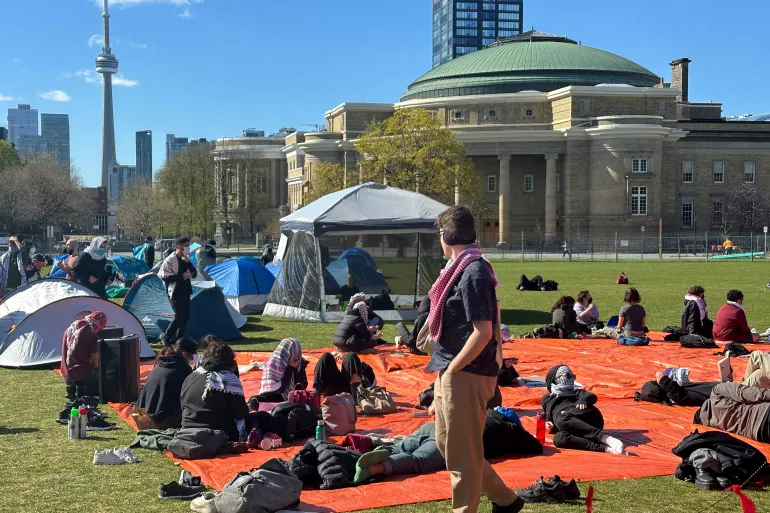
{"x": 153, "y": 439}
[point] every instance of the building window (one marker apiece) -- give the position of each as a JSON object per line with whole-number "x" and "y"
{"x": 749, "y": 172}
{"x": 639, "y": 166}
{"x": 506, "y": 33}
{"x": 506, "y": 24}
{"x": 462, "y": 50}
{"x": 639, "y": 201}
{"x": 488, "y": 7}
{"x": 507, "y": 7}
{"x": 687, "y": 214}
{"x": 718, "y": 210}
{"x": 558, "y": 182}
{"x": 688, "y": 172}
{"x": 529, "y": 183}
{"x": 467, "y": 32}
{"x": 586, "y": 106}
{"x": 491, "y": 183}
{"x": 467, "y": 15}
{"x": 467, "y": 23}
{"x": 488, "y": 24}
{"x": 467, "y": 5}
{"x": 718, "y": 171}
{"x": 487, "y": 42}
{"x": 508, "y": 16}
{"x": 488, "y": 33}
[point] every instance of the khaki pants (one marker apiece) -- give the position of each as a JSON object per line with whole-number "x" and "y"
{"x": 758, "y": 370}
{"x": 460, "y": 403}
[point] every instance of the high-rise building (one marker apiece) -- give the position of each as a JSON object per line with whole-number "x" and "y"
{"x": 55, "y": 130}
{"x": 252, "y": 132}
{"x": 174, "y": 144}
{"x": 144, "y": 155}
{"x": 3, "y": 133}
{"x": 27, "y": 146}
{"x": 464, "y": 27}
{"x": 120, "y": 176}
{"x": 107, "y": 65}
{"x": 21, "y": 121}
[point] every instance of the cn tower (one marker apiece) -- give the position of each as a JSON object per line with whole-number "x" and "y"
{"x": 107, "y": 65}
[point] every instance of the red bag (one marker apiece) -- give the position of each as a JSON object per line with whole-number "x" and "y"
{"x": 305, "y": 397}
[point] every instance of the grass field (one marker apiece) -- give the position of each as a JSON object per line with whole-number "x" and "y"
{"x": 44, "y": 472}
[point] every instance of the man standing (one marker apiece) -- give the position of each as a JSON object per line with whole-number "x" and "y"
{"x": 207, "y": 255}
{"x": 13, "y": 266}
{"x": 176, "y": 271}
{"x": 462, "y": 321}
{"x": 67, "y": 263}
{"x": 149, "y": 252}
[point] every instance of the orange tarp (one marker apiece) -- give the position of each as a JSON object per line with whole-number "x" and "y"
{"x": 611, "y": 371}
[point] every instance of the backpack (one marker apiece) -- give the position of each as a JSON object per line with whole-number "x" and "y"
{"x": 301, "y": 420}
{"x": 376, "y": 401}
{"x": 339, "y": 414}
{"x": 549, "y": 286}
{"x": 735, "y": 348}
{"x": 547, "y": 331}
{"x": 308, "y": 397}
{"x": 696, "y": 342}
{"x": 267, "y": 489}
{"x": 628, "y": 340}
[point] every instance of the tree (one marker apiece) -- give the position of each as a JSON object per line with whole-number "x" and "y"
{"x": 412, "y": 150}
{"x": 328, "y": 177}
{"x": 142, "y": 209}
{"x": 745, "y": 209}
{"x": 8, "y": 156}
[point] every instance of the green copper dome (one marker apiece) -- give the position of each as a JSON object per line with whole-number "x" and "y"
{"x": 532, "y": 61}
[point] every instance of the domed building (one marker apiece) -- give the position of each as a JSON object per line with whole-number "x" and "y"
{"x": 576, "y": 140}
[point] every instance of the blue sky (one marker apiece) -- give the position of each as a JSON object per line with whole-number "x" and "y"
{"x": 209, "y": 68}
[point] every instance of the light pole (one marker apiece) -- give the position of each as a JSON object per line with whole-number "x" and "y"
{"x": 765, "y": 230}
{"x": 641, "y": 250}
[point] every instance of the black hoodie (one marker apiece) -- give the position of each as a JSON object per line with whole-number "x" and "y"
{"x": 161, "y": 394}
{"x": 567, "y": 402}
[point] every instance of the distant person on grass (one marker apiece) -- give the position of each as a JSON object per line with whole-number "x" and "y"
{"x": 67, "y": 263}
{"x": 149, "y": 252}
{"x": 13, "y": 265}
{"x": 79, "y": 355}
{"x": 731, "y": 324}
{"x": 176, "y": 272}
{"x": 695, "y": 317}
{"x": 632, "y": 319}
{"x": 462, "y": 323}
{"x": 89, "y": 270}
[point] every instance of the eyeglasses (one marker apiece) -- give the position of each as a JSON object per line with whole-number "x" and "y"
{"x": 439, "y": 233}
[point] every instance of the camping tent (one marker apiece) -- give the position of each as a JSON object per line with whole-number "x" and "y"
{"x": 359, "y": 255}
{"x": 33, "y": 320}
{"x": 331, "y": 287}
{"x": 245, "y": 283}
{"x": 209, "y": 312}
{"x": 401, "y": 222}
{"x": 128, "y": 269}
{"x": 368, "y": 280}
{"x": 55, "y": 272}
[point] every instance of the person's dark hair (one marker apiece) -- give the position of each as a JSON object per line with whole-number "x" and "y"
{"x": 458, "y": 226}
{"x": 564, "y": 300}
{"x": 180, "y": 241}
{"x": 207, "y": 341}
{"x": 148, "y": 238}
{"x": 212, "y": 242}
{"x": 734, "y": 295}
{"x": 696, "y": 290}
{"x": 632, "y": 296}
{"x": 218, "y": 356}
{"x": 183, "y": 345}
{"x": 19, "y": 237}
{"x": 352, "y": 278}
{"x": 582, "y": 295}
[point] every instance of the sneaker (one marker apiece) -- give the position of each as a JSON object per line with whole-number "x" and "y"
{"x": 204, "y": 503}
{"x": 107, "y": 457}
{"x": 187, "y": 479}
{"x": 96, "y": 422}
{"x": 765, "y": 333}
{"x": 175, "y": 491}
{"x": 126, "y": 455}
{"x": 754, "y": 331}
{"x": 542, "y": 491}
{"x": 517, "y": 506}
{"x": 571, "y": 490}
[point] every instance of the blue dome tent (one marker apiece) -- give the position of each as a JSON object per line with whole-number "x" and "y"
{"x": 359, "y": 255}
{"x": 245, "y": 283}
{"x": 368, "y": 280}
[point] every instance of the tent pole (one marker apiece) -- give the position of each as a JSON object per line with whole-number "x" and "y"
{"x": 417, "y": 272}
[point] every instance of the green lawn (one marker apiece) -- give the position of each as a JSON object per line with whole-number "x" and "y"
{"x": 44, "y": 472}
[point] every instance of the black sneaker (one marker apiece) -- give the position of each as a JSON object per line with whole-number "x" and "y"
{"x": 176, "y": 491}
{"x": 187, "y": 479}
{"x": 571, "y": 490}
{"x": 543, "y": 491}
{"x": 97, "y": 422}
{"x": 517, "y": 506}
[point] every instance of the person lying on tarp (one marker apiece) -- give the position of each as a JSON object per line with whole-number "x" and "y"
{"x": 418, "y": 453}
{"x": 673, "y": 387}
{"x": 160, "y": 397}
{"x": 358, "y": 329}
{"x": 408, "y": 340}
{"x": 571, "y": 413}
{"x": 329, "y": 380}
{"x": 80, "y": 357}
{"x": 563, "y": 316}
{"x": 737, "y": 409}
{"x": 695, "y": 317}
{"x": 284, "y": 371}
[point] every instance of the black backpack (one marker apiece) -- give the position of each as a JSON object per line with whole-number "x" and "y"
{"x": 301, "y": 421}
{"x": 696, "y": 342}
{"x": 549, "y": 285}
{"x": 547, "y": 331}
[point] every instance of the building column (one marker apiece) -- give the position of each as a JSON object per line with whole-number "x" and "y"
{"x": 504, "y": 200}
{"x": 273, "y": 183}
{"x": 550, "y": 195}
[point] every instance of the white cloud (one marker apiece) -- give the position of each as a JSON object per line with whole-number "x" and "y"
{"x": 186, "y": 14}
{"x": 95, "y": 40}
{"x": 5, "y": 98}
{"x": 89, "y": 76}
{"x": 141, "y": 46}
{"x": 56, "y": 96}
{"x": 120, "y": 80}
{"x": 16, "y": 60}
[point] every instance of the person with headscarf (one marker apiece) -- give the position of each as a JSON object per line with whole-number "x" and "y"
{"x": 207, "y": 255}
{"x": 176, "y": 271}
{"x": 573, "y": 416}
{"x": 79, "y": 355}
{"x": 66, "y": 264}
{"x": 284, "y": 371}
{"x": 267, "y": 254}
{"x": 357, "y": 330}
{"x": 13, "y": 266}
{"x": 89, "y": 269}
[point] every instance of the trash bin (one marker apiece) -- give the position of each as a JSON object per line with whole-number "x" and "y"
{"x": 119, "y": 369}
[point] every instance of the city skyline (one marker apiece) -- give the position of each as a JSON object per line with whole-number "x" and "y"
{"x": 167, "y": 90}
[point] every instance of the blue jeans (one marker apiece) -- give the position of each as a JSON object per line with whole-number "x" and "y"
{"x": 416, "y": 454}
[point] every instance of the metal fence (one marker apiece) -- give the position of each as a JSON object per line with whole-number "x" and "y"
{"x": 629, "y": 246}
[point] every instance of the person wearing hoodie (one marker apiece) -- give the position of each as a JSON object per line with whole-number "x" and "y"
{"x": 737, "y": 409}
{"x": 673, "y": 387}
{"x": 564, "y": 317}
{"x": 161, "y": 395}
{"x": 358, "y": 329}
{"x": 176, "y": 271}
{"x": 573, "y": 416}
{"x": 695, "y": 317}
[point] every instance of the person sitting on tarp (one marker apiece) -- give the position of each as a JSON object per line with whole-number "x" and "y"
{"x": 695, "y": 317}
{"x": 737, "y": 409}
{"x": 673, "y": 387}
{"x": 632, "y": 319}
{"x": 622, "y": 279}
{"x": 587, "y": 312}
{"x": 408, "y": 340}
{"x": 212, "y": 395}
{"x": 731, "y": 324}
{"x": 160, "y": 397}
{"x": 329, "y": 380}
{"x": 571, "y": 413}
{"x": 418, "y": 453}
{"x": 563, "y": 316}
{"x": 358, "y": 329}
{"x": 79, "y": 355}
{"x": 348, "y": 290}
{"x": 284, "y": 371}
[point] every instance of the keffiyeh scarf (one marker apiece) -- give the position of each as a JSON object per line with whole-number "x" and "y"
{"x": 448, "y": 277}
{"x": 93, "y": 248}
{"x": 363, "y": 311}
{"x": 95, "y": 320}
{"x": 222, "y": 381}
{"x": 564, "y": 381}
{"x": 701, "y": 304}
{"x": 356, "y": 298}
{"x": 289, "y": 349}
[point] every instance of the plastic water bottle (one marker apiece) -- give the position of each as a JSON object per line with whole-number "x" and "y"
{"x": 83, "y": 425}
{"x": 320, "y": 431}
{"x": 73, "y": 425}
{"x": 540, "y": 430}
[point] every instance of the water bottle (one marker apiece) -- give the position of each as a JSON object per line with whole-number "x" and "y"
{"x": 320, "y": 431}
{"x": 540, "y": 430}
{"x": 83, "y": 425}
{"x": 73, "y": 425}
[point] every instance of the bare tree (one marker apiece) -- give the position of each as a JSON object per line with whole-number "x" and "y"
{"x": 745, "y": 209}
{"x": 142, "y": 209}
{"x": 539, "y": 233}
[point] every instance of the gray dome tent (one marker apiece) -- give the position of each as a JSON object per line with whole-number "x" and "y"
{"x": 396, "y": 226}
